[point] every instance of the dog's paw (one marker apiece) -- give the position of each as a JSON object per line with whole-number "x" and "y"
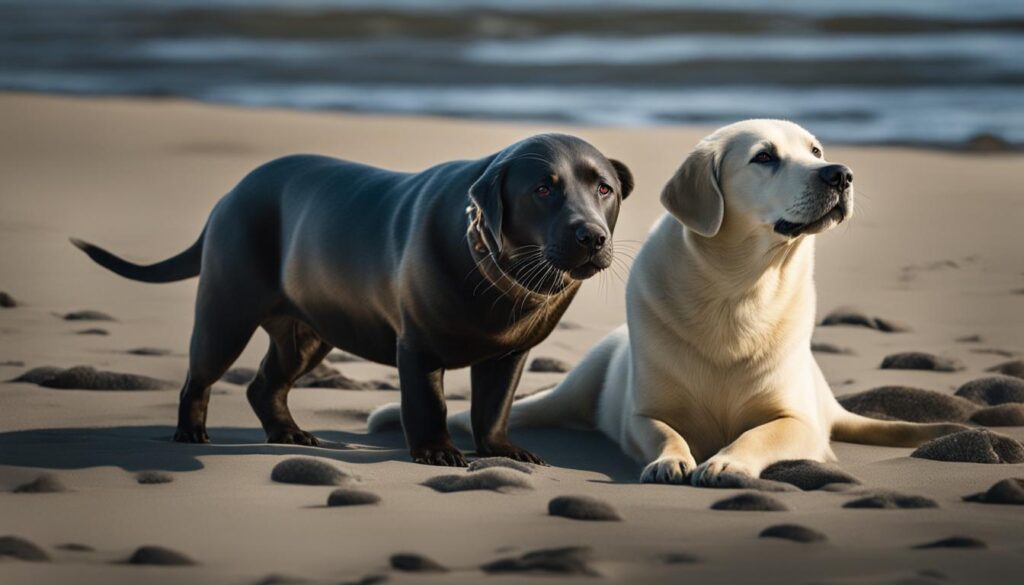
{"x": 715, "y": 471}
{"x": 440, "y": 456}
{"x": 510, "y": 451}
{"x": 191, "y": 435}
{"x": 292, "y": 437}
{"x": 668, "y": 470}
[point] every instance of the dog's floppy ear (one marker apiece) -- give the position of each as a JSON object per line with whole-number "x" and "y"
{"x": 693, "y": 194}
{"x": 486, "y": 195}
{"x": 625, "y": 176}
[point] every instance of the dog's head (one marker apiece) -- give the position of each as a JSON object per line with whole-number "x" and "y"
{"x": 760, "y": 174}
{"x": 548, "y": 206}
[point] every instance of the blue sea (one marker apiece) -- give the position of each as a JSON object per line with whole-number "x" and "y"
{"x": 933, "y": 72}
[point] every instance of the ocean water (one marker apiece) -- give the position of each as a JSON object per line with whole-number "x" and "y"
{"x": 877, "y": 71}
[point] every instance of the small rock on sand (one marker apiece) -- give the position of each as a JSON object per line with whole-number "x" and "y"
{"x": 570, "y": 560}
{"x": 13, "y": 363}
{"x": 38, "y": 374}
{"x": 414, "y": 563}
{"x": 823, "y": 347}
{"x": 745, "y": 482}
{"x": 489, "y": 462}
{"x": 240, "y": 376}
{"x": 150, "y": 351}
{"x": 340, "y": 381}
{"x": 794, "y": 532}
{"x": 89, "y": 378}
{"x": 350, "y": 497}
{"x": 993, "y": 390}
{"x": 886, "y": 500}
{"x": 1008, "y": 491}
{"x": 1004, "y": 415}
{"x": 969, "y": 339}
{"x": 583, "y": 508}
{"x": 308, "y": 471}
{"x": 495, "y": 479}
{"x": 88, "y": 315}
{"x": 907, "y": 403}
{"x": 1013, "y": 368}
{"x": 679, "y": 558}
{"x": 549, "y": 364}
{"x": 919, "y": 360}
{"x": 848, "y": 316}
{"x": 44, "y": 484}
{"x": 92, "y": 331}
{"x": 18, "y": 548}
{"x": 158, "y": 555}
{"x": 750, "y": 502}
{"x": 7, "y": 301}
{"x": 955, "y": 542}
{"x": 806, "y": 474}
{"x": 972, "y": 446}
{"x": 75, "y": 547}
{"x": 153, "y": 477}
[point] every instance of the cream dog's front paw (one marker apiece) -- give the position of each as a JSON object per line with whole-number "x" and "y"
{"x": 669, "y": 469}
{"x": 711, "y": 472}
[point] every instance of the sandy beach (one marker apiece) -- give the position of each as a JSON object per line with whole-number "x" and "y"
{"x": 934, "y": 245}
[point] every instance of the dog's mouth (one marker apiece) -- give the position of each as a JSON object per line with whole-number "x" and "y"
{"x": 832, "y": 217}
{"x": 585, "y": 270}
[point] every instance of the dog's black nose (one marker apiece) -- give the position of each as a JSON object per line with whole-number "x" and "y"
{"x": 838, "y": 176}
{"x": 591, "y": 237}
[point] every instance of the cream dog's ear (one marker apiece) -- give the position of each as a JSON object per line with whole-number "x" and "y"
{"x": 693, "y": 194}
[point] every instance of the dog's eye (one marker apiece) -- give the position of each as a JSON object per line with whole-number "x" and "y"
{"x": 543, "y": 191}
{"x": 816, "y": 151}
{"x": 763, "y": 157}
{"x": 604, "y": 189}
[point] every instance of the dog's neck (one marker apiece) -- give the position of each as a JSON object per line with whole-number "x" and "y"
{"x": 758, "y": 288}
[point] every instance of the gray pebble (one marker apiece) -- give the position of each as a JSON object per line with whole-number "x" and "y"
{"x": 750, "y": 502}
{"x": 794, "y": 532}
{"x": 88, "y": 315}
{"x": 153, "y": 477}
{"x": 350, "y": 497}
{"x": 955, "y": 542}
{"x": 548, "y": 364}
{"x": 414, "y": 563}
{"x": 1004, "y": 415}
{"x": 972, "y": 446}
{"x": 993, "y": 390}
{"x": 806, "y": 474}
{"x": 553, "y": 561}
{"x": 489, "y": 462}
{"x": 919, "y": 360}
{"x": 1013, "y": 368}
{"x": 158, "y": 555}
{"x": 909, "y": 404}
{"x": 16, "y": 547}
{"x": 886, "y": 500}
{"x": 44, "y": 484}
{"x": 308, "y": 471}
{"x": 495, "y": 479}
{"x": 1008, "y": 491}
{"x": 583, "y": 508}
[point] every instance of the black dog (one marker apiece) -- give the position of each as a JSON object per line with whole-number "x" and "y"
{"x": 394, "y": 267}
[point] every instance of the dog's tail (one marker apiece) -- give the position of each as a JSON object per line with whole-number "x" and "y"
{"x": 572, "y": 403}
{"x": 854, "y": 428}
{"x": 179, "y": 267}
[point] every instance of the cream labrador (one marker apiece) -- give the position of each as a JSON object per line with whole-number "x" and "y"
{"x": 713, "y": 373}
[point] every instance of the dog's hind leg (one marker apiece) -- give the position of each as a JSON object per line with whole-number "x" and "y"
{"x": 219, "y": 335}
{"x": 295, "y": 349}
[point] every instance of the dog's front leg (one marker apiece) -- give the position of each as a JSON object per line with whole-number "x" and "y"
{"x": 778, "y": 440}
{"x": 494, "y": 384}
{"x": 421, "y": 377}
{"x": 668, "y": 453}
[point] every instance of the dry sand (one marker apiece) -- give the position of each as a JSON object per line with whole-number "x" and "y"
{"x": 935, "y": 244}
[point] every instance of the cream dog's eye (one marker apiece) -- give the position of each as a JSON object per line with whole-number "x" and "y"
{"x": 763, "y": 157}
{"x": 816, "y": 151}
{"x": 604, "y": 189}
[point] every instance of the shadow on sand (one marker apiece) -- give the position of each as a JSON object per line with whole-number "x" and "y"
{"x": 149, "y": 447}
